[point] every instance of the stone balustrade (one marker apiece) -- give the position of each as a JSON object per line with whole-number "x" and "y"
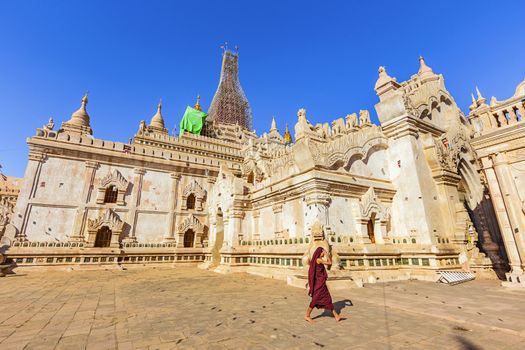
{"x": 499, "y": 114}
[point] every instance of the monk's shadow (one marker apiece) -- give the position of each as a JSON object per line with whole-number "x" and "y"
{"x": 338, "y": 306}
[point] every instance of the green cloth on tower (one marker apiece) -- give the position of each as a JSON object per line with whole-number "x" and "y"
{"x": 192, "y": 121}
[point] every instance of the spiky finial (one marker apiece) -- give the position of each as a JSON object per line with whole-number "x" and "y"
{"x": 198, "y": 103}
{"x": 274, "y": 125}
{"x": 478, "y": 93}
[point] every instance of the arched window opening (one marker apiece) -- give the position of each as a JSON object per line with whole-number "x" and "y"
{"x": 189, "y": 237}
{"x": 111, "y": 194}
{"x": 251, "y": 178}
{"x": 103, "y": 238}
{"x": 190, "y": 202}
{"x": 370, "y": 228}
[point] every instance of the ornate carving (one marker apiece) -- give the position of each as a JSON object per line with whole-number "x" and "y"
{"x": 190, "y": 222}
{"x": 364, "y": 118}
{"x": 114, "y": 178}
{"x": 108, "y": 218}
{"x": 343, "y": 148}
{"x": 352, "y": 121}
{"x": 195, "y": 188}
{"x": 370, "y": 204}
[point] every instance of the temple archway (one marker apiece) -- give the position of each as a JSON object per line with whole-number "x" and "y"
{"x": 370, "y": 228}
{"x": 103, "y": 237}
{"x": 189, "y": 238}
{"x": 105, "y": 230}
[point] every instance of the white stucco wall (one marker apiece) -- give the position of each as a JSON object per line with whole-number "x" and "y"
{"x": 50, "y": 224}
{"x": 150, "y": 227}
{"x": 60, "y": 181}
{"x": 155, "y": 191}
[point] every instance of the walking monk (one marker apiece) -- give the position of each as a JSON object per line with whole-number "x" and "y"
{"x": 317, "y": 277}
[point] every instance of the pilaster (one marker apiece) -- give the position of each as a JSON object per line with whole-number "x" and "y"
{"x": 134, "y": 203}
{"x": 17, "y": 230}
{"x": 175, "y": 180}
{"x": 81, "y": 212}
{"x": 512, "y": 204}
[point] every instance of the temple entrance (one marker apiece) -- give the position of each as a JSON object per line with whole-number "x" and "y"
{"x": 219, "y": 238}
{"x": 103, "y": 238}
{"x": 370, "y": 228}
{"x": 189, "y": 237}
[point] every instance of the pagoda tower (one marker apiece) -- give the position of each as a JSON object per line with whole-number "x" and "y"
{"x": 230, "y": 105}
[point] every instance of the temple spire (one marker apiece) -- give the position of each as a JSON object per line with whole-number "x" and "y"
{"x": 79, "y": 121}
{"x": 274, "y": 125}
{"x": 230, "y": 105}
{"x": 157, "y": 121}
{"x": 423, "y": 68}
{"x": 287, "y": 136}
{"x": 425, "y": 72}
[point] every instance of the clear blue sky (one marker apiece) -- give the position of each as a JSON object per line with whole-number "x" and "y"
{"x": 320, "y": 55}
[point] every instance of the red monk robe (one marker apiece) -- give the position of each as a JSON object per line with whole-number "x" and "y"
{"x": 317, "y": 277}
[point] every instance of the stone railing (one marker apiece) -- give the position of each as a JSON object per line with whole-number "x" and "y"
{"x": 486, "y": 119}
{"x": 49, "y": 244}
{"x": 149, "y": 245}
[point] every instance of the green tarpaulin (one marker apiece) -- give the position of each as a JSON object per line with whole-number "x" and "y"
{"x": 192, "y": 121}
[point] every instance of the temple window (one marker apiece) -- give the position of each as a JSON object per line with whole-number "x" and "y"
{"x": 188, "y": 238}
{"x": 190, "y": 202}
{"x": 112, "y": 188}
{"x": 110, "y": 196}
{"x": 251, "y": 178}
{"x": 370, "y": 228}
{"x": 103, "y": 237}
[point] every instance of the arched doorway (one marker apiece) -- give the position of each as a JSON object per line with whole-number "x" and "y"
{"x": 189, "y": 237}
{"x": 103, "y": 237}
{"x": 190, "y": 202}
{"x": 370, "y": 228}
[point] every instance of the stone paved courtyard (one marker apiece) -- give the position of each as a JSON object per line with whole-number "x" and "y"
{"x": 185, "y": 307}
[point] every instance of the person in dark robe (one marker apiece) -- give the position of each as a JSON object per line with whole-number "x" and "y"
{"x": 317, "y": 277}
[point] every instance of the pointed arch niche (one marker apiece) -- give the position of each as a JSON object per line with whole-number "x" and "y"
{"x": 104, "y": 231}
{"x": 192, "y": 228}
{"x": 112, "y": 188}
{"x": 374, "y": 219}
{"x": 193, "y": 196}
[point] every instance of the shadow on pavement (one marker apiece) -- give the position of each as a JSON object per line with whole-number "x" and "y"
{"x": 338, "y": 306}
{"x": 467, "y": 344}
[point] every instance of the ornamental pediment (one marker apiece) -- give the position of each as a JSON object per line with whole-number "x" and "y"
{"x": 107, "y": 218}
{"x": 345, "y": 147}
{"x": 114, "y": 178}
{"x": 190, "y": 222}
{"x": 195, "y": 188}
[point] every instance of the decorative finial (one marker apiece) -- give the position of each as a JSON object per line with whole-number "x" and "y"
{"x": 287, "y": 136}
{"x": 274, "y": 125}
{"x": 423, "y": 68}
{"x": 50, "y": 124}
{"x": 478, "y": 93}
{"x": 198, "y": 103}
{"x": 224, "y": 46}
{"x": 85, "y": 98}
{"x": 474, "y": 104}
